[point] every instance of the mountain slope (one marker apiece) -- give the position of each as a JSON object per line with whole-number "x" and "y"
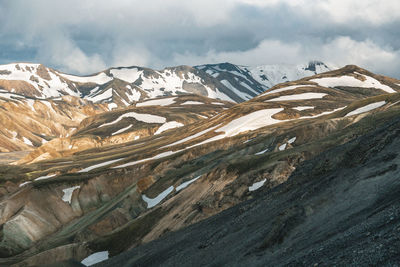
{"x": 340, "y": 208}
{"x": 120, "y": 196}
{"x": 251, "y": 81}
{"x": 30, "y": 122}
{"x": 147, "y": 118}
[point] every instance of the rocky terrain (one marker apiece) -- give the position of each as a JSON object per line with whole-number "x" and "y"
{"x": 339, "y": 208}
{"x": 30, "y": 122}
{"x": 197, "y": 161}
{"x": 123, "y": 86}
{"x": 40, "y": 103}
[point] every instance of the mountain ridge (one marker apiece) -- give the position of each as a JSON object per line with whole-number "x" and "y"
{"x": 136, "y": 83}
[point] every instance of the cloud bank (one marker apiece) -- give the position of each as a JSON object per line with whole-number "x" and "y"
{"x": 87, "y": 36}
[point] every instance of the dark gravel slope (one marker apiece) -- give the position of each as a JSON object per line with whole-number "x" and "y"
{"x": 340, "y": 208}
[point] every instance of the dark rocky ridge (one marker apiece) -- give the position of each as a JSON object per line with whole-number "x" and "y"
{"x": 340, "y": 208}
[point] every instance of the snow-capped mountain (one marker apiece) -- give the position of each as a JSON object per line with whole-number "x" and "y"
{"x": 248, "y": 82}
{"x": 271, "y": 75}
{"x": 35, "y": 80}
{"x": 123, "y": 86}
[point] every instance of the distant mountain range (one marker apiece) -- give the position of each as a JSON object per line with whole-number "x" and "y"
{"x": 123, "y": 86}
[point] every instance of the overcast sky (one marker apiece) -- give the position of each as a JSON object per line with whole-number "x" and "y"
{"x": 83, "y": 37}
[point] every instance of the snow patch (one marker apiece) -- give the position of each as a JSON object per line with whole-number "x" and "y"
{"x": 192, "y": 103}
{"x": 122, "y": 130}
{"x": 302, "y": 96}
{"x": 106, "y": 95}
{"x": 282, "y": 147}
{"x": 147, "y": 118}
{"x": 192, "y": 136}
{"x": 286, "y": 89}
{"x": 261, "y": 152}
{"x": 366, "y": 108}
{"x": 25, "y": 183}
{"x": 300, "y": 108}
{"x": 257, "y": 185}
{"x": 112, "y": 106}
{"x": 251, "y": 122}
{"x": 27, "y": 141}
{"x": 187, "y": 183}
{"x": 161, "y": 155}
{"x": 151, "y": 202}
{"x": 157, "y": 102}
{"x": 45, "y": 177}
{"x": 68, "y": 193}
{"x": 100, "y": 78}
{"x": 100, "y": 165}
{"x": 129, "y": 75}
{"x": 95, "y": 258}
{"x": 167, "y": 126}
{"x": 350, "y": 81}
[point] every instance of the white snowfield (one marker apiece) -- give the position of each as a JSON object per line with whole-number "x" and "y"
{"x": 151, "y": 202}
{"x": 54, "y": 87}
{"x": 192, "y": 136}
{"x": 27, "y": 141}
{"x": 133, "y": 94}
{"x": 157, "y": 102}
{"x": 172, "y": 82}
{"x": 350, "y": 81}
{"x": 186, "y": 184}
{"x": 122, "y": 130}
{"x": 257, "y": 185}
{"x": 112, "y": 106}
{"x": 322, "y": 114}
{"x": 218, "y": 103}
{"x": 24, "y": 183}
{"x": 300, "y": 108}
{"x": 288, "y": 88}
{"x": 251, "y": 122}
{"x": 192, "y": 103}
{"x": 45, "y": 177}
{"x": 292, "y": 140}
{"x": 366, "y": 108}
{"x": 97, "y": 98}
{"x": 100, "y": 78}
{"x": 261, "y": 152}
{"x": 282, "y": 73}
{"x": 12, "y": 96}
{"x": 100, "y": 165}
{"x": 168, "y": 125}
{"x": 68, "y": 193}
{"x": 302, "y": 96}
{"x": 161, "y": 155}
{"x": 95, "y": 258}
{"x": 147, "y": 118}
{"x": 129, "y": 75}
{"x": 282, "y": 147}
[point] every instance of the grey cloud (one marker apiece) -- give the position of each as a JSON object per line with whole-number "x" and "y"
{"x": 86, "y": 36}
